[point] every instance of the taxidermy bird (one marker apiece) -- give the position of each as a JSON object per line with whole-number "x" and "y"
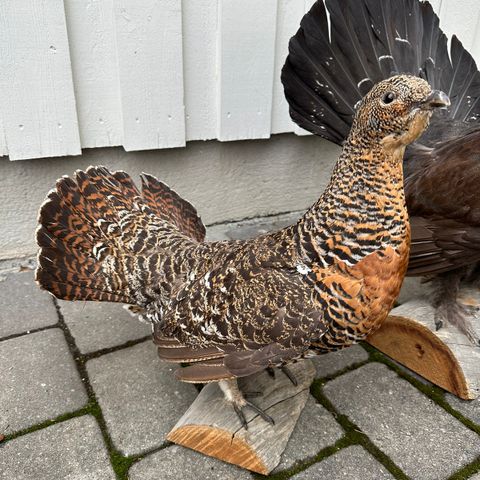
{"x": 333, "y": 62}
{"x": 234, "y": 308}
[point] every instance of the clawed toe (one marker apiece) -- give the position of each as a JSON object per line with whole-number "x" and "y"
{"x": 265, "y": 416}
{"x": 241, "y": 416}
{"x": 456, "y": 314}
{"x": 270, "y": 371}
{"x": 438, "y": 323}
{"x": 290, "y": 375}
{"x": 286, "y": 371}
{"x": 238, "y": 400}
{"x": 252, "y": 394}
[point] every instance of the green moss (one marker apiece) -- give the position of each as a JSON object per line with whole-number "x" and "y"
{"x": 353, "y": 366}
{"x": 467, "y": 471}
{"x": 353, "y": 433}
{"x": 121, "y": 464}
{"x": 47, "y": 423}
{"x": 103, "y": 351}
{"x": 324, "y": 453}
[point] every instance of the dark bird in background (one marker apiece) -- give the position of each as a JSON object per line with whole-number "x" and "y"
{"x": 234, "y": 308}
{"x": 334, "y": 61}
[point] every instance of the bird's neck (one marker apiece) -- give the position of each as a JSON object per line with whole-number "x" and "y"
{"x": 363, "y": 207}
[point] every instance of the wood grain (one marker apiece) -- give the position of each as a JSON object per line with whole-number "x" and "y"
{"x": 212, "y": 427}
{"x": 445, "y": 357}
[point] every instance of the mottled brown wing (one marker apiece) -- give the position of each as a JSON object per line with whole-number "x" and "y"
{"x": 439, "y": 245}
{"x": 257, "y": 317}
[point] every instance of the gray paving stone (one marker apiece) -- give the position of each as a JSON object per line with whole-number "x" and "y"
{"x": 72, "y": 450}
{"x": 475, "y": 477}
{"x": 178, "y": 463}
{"x": 418, "y": 435}
{"x": 334, "y": 362}
{"x": 316, "y": 429}
{"x": 139, "y": 397}
{"x": 23, "y": 306}
{"x": 96, "y": 325}
{"x": 468, "y": 408}
{"x": 39, "y": 380}
{"x": 352, "y": 463}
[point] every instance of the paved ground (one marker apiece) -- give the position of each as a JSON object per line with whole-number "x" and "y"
{"x": 83, "y": 396}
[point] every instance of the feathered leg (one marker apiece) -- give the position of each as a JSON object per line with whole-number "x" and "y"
{"x": 237, "y": 399}
{"x": 448, "y": 309}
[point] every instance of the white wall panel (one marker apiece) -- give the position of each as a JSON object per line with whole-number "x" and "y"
{"x": 475, "y": 51}
{"x": 289, "y": 14}
{"x": 3, "y": 139}
{"x": 461, "y": 17}
{"x": 38, "y": 103}
{"x": 246, "y": 53}
{"x": 436, "y": 4}
{"x": 149, "y": 42}
{"x": 200, "y": 68}
{"x": 93, "y": 51}
{"x": 151, "y": 74}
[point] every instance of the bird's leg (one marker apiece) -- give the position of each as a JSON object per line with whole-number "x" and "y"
{"x": 236, "y": 398}
{"x": 447, "y": 308}
{"x": 288, "y": 373}
{"x": 270, "y": 371}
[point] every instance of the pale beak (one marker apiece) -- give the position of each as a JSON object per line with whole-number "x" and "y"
{"x": 436, "y": 99}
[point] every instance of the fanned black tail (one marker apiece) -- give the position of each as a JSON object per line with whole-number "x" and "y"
{"x": 328, "y": 70}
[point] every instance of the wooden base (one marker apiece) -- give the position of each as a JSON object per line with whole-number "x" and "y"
{"x": 444, "y": 357}
{"x": 212, "y": 427}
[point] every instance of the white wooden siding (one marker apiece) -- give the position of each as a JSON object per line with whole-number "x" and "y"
{"x": 93, "y": 54}
{"x": 38, "y": 102}
{"x": 200, "y": 68}
{"x": 149, "y": 74}
{"x": 149, "y": 49}
{"x": 246, "y": 54}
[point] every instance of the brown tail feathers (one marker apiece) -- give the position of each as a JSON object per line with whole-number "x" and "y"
{"x": 91, "y": 229}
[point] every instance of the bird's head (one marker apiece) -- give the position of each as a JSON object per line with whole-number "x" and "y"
{"x": 396, "y": 111}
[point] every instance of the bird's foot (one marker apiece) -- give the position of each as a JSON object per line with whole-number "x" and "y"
{"x": 289, "y": 374}
{"x": 457, "y": 314}
{"x": 270, "y": 371}
{"x": 239, "y": 408}
{"x": 239, "y": 401}
{"x": 252, "y": 394}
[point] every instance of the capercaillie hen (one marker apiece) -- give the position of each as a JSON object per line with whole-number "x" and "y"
{"x": 233, "y": 308}
{"x": 335, "y": 58}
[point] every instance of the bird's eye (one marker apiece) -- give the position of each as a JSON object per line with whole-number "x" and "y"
{"x": 389, "y": 98}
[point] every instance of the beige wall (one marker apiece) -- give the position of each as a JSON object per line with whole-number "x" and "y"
{"x": 225, "y": 181}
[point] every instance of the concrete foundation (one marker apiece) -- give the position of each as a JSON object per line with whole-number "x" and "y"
{"x": 225, "y": 181}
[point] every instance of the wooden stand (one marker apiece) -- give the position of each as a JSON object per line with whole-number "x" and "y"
{"x": 211, "y": 426}
{"x": 444, "y": 357}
